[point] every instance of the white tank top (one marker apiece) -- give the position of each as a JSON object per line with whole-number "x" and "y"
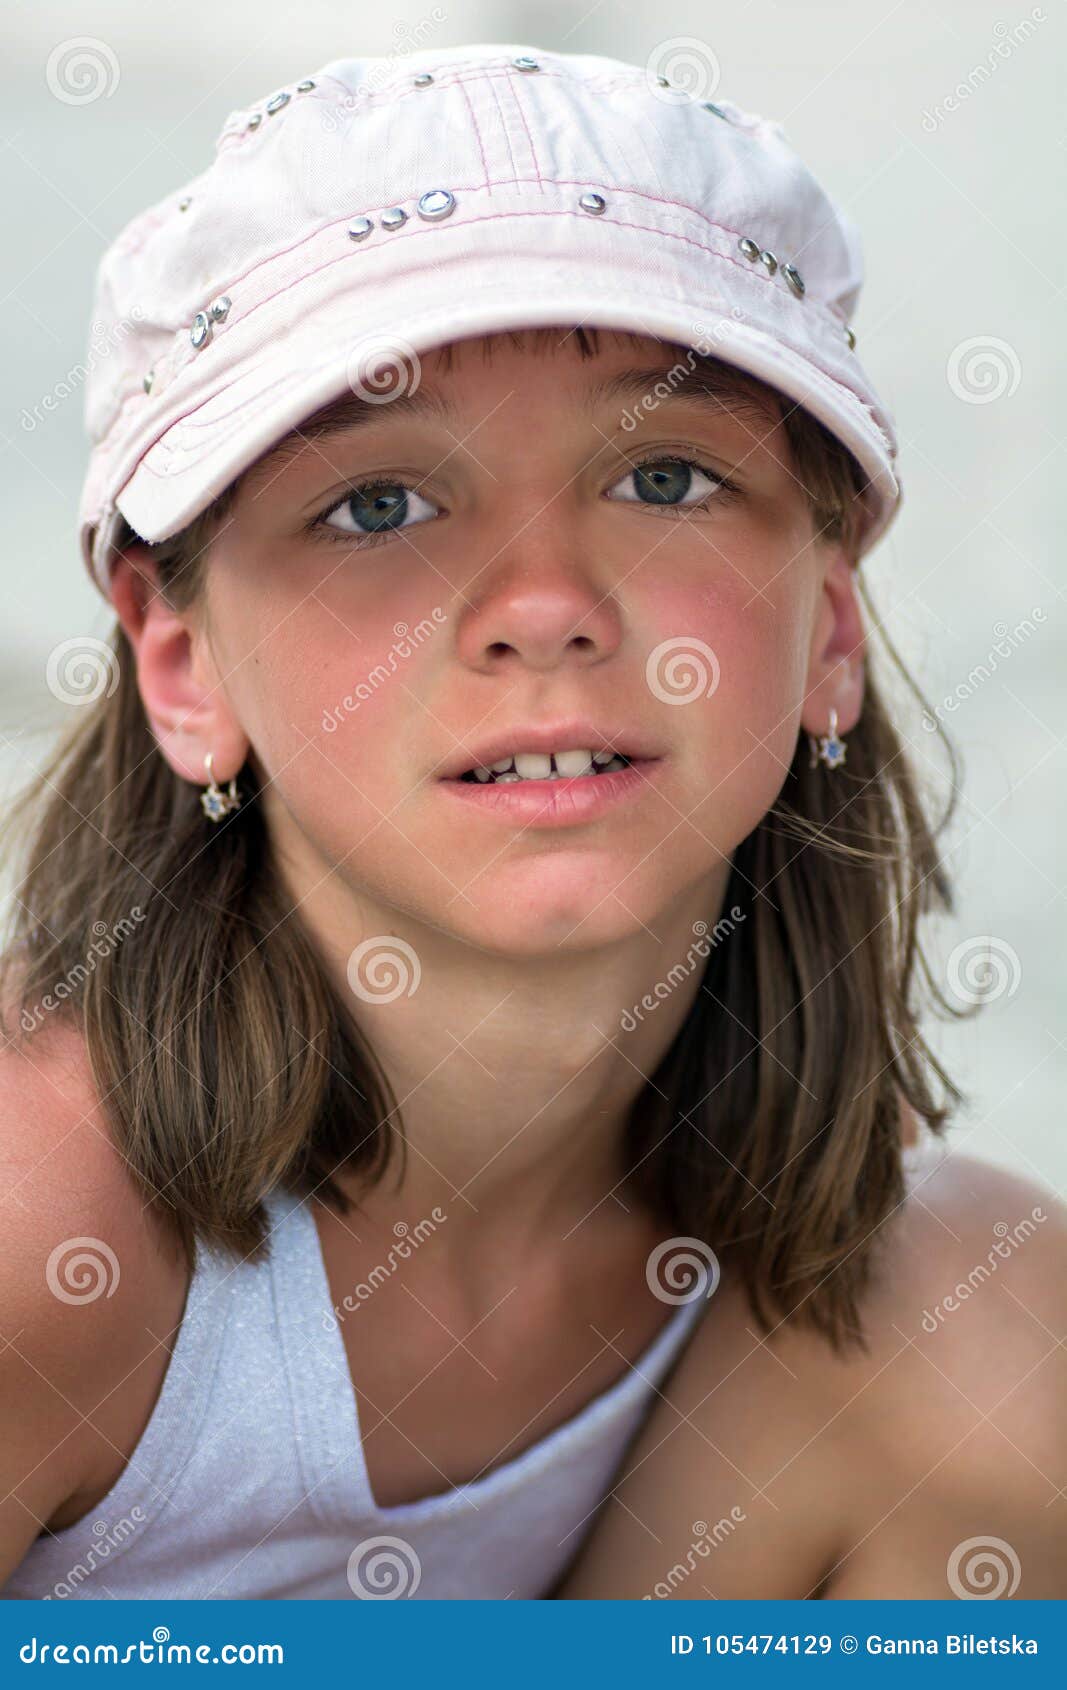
{"x": 249, "y": 1480}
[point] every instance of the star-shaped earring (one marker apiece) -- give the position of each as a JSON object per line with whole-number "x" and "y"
{"x": 830, "y": 749}
{"x": 215, "y": 802}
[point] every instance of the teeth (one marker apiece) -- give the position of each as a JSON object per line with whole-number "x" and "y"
{"x": 574, "y": 762}
{"x": 537, "y": 765}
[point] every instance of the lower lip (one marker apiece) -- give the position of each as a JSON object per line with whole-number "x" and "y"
{"x": 556, "y": 803}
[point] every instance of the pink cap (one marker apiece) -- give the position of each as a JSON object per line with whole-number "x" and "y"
{"x": 382, "y": 206}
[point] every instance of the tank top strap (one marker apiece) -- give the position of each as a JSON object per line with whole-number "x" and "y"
{"x": 326, "y": 1409}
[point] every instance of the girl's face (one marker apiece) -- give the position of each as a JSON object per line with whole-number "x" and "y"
{"x": 511, "y": 545}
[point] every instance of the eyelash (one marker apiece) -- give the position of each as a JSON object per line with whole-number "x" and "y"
{"x": 319, "y": 528}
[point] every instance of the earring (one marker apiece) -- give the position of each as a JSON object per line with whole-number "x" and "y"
{"x": 829, "y": 750}
{"x": 217, "y": 803}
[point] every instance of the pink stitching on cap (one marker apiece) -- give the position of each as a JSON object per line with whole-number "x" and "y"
{"x": 478, "y": 137}
{"x": 847, "y": 393}
{"x": 235, "y": 282}
{"x": 503, "y": 123}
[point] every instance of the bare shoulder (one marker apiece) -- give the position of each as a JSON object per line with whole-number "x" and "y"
{"x": 773, "y": 1467}
{"x": 87, "y": 1284}
{"x": 964, "y": 1405}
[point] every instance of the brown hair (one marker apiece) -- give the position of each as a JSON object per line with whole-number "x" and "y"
{"x": 227, "y": 1064}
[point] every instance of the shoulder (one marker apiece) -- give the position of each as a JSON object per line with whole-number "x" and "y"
{"x": 959, "y": 1426}
{"x": 934, "y": 1455}
{"x": 85, "y": 1277}
{"x": 59, "y": 1165}
{"x": 972, "y": 1267}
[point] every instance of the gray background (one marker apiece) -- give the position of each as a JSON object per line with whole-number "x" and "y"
{"x": 937, "y": 126}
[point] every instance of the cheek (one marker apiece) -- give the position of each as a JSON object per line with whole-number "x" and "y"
{"x": 732, "y": 661}
{"x": 323, "y": 702}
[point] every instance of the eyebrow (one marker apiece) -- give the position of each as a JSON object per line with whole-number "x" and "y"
{"x": 711, "y": 387}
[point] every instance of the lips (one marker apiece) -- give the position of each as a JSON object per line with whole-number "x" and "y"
{"x": 536, "y": 805}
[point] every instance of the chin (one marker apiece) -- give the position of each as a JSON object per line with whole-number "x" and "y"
{"x": 539, "y": 918}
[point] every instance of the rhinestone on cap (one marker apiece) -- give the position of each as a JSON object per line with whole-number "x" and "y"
{"x": 219, "y": 308}
{"x": 201, "y": 329}
{"x": 424, "y": 79}
{"x": 850, "y": 337}
{"x": 436, "y": 202}
{"x": 276, "y": 102}
{"x": 184, "y": 204}
{"x": 593, "y": 202}
{"x": 709, "y": 105}
{"x": 393, "y": 218}
{"x": 148, "y": 380}
{"x": 525, "y": 63}
{"x": 771, "y": 262}
{"x": 255, "y": 120}
{"x": 360, "y": 228}
{"x": 306, "y": 86}
{"x": 794, "y": 278}
{"x": 749, "y": 248}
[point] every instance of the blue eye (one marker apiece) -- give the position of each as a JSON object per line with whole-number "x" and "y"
{"x": 371, "y": 512}
{"x": 374, "y": 510}
{"x": 666, "y": 482}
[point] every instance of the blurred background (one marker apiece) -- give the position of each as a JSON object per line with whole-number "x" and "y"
{"x": 937, "y": 124}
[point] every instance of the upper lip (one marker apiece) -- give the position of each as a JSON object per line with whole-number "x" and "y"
{"x": 571, "y": 735}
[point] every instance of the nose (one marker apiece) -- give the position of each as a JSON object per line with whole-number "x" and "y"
{"x": 538, "y": 612}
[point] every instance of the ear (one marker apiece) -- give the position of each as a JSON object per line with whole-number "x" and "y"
{"x": 836, "y": 658}
{"x": 183, "y": 693}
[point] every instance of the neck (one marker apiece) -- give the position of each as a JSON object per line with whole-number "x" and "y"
{"x": 513, "y": 1077}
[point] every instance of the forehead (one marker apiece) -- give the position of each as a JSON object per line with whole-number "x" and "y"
{"x": 601, "y": 369}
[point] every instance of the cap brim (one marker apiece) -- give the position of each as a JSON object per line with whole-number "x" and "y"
{"x": 310, "y": 364}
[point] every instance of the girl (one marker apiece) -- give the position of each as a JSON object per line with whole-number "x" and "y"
{"x": 465, "y": 963}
